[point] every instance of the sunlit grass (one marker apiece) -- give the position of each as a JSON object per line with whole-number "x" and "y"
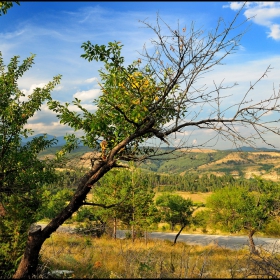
{"x": 90, "y": 257}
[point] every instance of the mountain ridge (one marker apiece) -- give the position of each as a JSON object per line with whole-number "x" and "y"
{"x": 61, "y": 142}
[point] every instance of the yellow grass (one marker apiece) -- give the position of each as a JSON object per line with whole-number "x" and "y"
{"x": 195, "y": 197}
{"x": 91, "y": 258}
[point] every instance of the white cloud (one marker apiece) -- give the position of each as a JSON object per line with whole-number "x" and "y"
{"x": 87, "y": 94}
{"x": 44, "y": 115}
{"x": 235, "y": 5}
{"x": 91, "y": 80}
{"x": 30, "y": 90}
{"x": 275, "y": 31}
{"x": 54, "y": 128}
{"x": 262, "y": 13}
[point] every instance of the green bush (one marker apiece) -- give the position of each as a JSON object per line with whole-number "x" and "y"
{"x": 273, "y": 228}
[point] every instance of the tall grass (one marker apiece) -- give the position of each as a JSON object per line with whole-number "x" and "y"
{"x": 90, "y": 257}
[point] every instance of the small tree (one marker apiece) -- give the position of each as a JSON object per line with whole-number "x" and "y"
{"x": 175, "y": 210}
{"x": 129, "y": 199}
{"x": 22, "y": 174}
{"x": 154, "y": 98}
{"x": 113, "y": 191}
{"x": 238, "y": 208}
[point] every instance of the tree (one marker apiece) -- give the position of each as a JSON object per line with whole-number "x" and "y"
{"x": 239, "y": 208}
{"x": 175, "y": 210}
{"x": 114, "y": 189}
{"x": 155, "y": 102}
{"x": 131, "y": 197}
{"x": 143, "y": 212}
{"x": 6, "y": 5}
{"x": 22, "y": 174}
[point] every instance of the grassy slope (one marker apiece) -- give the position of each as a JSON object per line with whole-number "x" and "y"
{"x": 105, "y": 258}
{"x": 265, "y": 164}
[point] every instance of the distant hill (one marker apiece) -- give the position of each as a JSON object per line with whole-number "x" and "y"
{"x": 60, "y": 139}
{"x": 250, "y": 149}
{"x": 62, "y": 142}
{"x": 243, "y": 162}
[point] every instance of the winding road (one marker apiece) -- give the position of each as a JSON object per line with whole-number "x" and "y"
{"x": 227, "y": 241}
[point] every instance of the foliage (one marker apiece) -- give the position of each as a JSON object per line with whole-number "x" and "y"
{"x": 52, "y": 202}
{"x": 6, "y": 5}
{"x": 235, "y": 208}
{"x": 202, "y": 219}
{"x": 124, "y": 196}
{"x": 175, "y": 209}
{"x": 22, "y": 174}
{"x": 129, "y": 91}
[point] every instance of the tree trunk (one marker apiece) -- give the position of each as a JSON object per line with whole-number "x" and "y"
{"x": 132, "y": 233}
{"x": 177, "y": 235}
{"x": 29, "y": 261}
{"x": 252, "y": 246}
{"x": 36, "y": 237}
{"x": 115, "y": 228}
{"x": 146, "y": 236}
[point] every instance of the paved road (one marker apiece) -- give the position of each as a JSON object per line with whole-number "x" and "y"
{"x": 232, "y": 242}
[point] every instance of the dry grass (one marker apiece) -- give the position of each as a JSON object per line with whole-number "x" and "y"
{"x": 195, "y": 197}
{"x": 108, "y": 258}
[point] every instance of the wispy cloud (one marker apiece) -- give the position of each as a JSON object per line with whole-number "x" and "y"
{"x": 91, "y": 80}
{"x": 262, "y": 13}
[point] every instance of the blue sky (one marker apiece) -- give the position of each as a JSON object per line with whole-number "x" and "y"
{"x": 55, "y": 31}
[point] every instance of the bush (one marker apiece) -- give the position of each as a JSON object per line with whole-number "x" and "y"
{"x": 273, "y": 228}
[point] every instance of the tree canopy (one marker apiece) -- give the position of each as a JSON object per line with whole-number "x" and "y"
{"x": 241, "y": 208}
{"x": 22, "y": 174}
{"x": 175, "y": 210}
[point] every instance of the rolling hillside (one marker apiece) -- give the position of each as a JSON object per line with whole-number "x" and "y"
{"x": 264, "y": 163}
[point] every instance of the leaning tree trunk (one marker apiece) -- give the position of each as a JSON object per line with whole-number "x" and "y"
{"x": 177, "y": 235}
{"x": 36, "y": 237}
{"x": 29, "y": 262}
{"x": 252, "y": 246}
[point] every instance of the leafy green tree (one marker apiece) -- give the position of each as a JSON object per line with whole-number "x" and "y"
{"x": 22, "y": 174}
{"x": 175, "y": 210}
{"x": 6, "y": 5}
{"x": 239, "y": 208}
{"x": 113, "y": 190}
{"x": 143, "y": 211}
{"x": 152, "y": 99}
{"x": 129, "y": 199}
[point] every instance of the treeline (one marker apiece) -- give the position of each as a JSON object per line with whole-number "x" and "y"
{"x": 192, "y": 182}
